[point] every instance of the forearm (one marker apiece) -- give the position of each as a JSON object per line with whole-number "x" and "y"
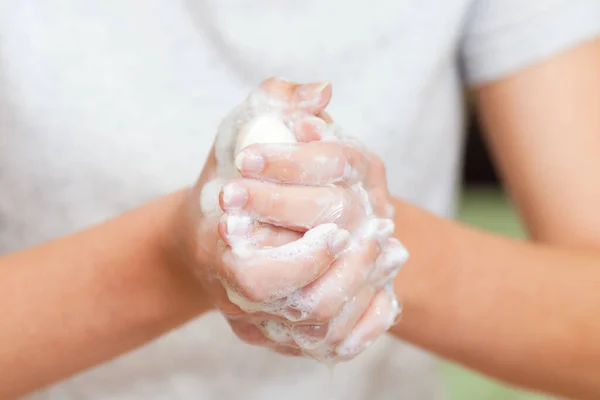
{"x": 524, "y": 313}
{"x": 78, "y": 301}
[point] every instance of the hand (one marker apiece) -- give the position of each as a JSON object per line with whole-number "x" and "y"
{"x": 299, "y": 255}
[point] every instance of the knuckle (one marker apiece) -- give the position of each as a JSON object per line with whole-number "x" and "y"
{"x": 377, "y": 166}
{"x": 349, "y": 208}
{"x": 327, "y": 308}
{"x": 367, "y": 250}
{"x": 390, "y": 261}
{"x": 249, "y": 286}
{"x": 341, "y": 165}
{"x": 344, "y": 161}
{"x": 353, "y": 154}
{"x": 252, "y": 294}
{"x": 371, "y": 250}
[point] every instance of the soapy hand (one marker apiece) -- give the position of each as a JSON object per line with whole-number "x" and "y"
{"x": 295, "y": 237}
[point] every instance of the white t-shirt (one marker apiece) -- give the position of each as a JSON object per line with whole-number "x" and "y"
{"x": 107, "y": 104}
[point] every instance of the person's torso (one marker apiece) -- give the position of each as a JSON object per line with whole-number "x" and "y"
{"x": 105, "y": 105}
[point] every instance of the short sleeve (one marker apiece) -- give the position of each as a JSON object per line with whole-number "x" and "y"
{"x": 504, "y": 36}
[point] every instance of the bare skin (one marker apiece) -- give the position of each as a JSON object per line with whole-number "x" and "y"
{"x": 524, "y": 312}
{"x": 70, "y": 304}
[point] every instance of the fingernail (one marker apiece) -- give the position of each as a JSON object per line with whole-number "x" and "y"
{"x": 235, "y": 196}
{"x": 338, "y": 241}
{"x": 311, "y": 90}
{"x": 351, "y": 346}
{"x": 249, "y": 160}
{"x": 386, "y": 229}
{"x": 394, "y": 257}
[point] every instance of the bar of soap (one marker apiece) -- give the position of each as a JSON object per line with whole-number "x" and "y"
{"x": 264, "y": 129}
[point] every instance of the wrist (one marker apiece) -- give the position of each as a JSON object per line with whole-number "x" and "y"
{"x": 426, "y": 274}
{"x": 173, "y": 246}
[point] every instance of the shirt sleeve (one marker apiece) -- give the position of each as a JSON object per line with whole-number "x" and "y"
{"x": 503, "y": 36}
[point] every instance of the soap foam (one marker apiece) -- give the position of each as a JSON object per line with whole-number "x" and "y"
{"x": 250, "y": 123}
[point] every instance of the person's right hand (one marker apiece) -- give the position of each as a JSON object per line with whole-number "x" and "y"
{"x": 299, "y": 291}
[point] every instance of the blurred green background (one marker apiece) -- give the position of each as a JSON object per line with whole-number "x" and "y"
{"x": 485, "y": 207}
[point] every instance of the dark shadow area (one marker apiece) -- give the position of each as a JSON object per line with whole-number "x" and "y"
{"x": 478, "y": 169}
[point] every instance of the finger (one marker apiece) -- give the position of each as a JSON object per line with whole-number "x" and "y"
{"x": 326, "y": 117}
{"x": 278, "y": 88}
{"x": 389, "y": 262}
{"x": 311, "y": 98}
{"x": 219, "y": 295}
{"x": 310, "y": 336}
{"x": 290, "y": 351}
{"x": 353, "y": 311}
{"x": 380, "y": 200}
{"x": 276, "y": 331}
{"x": 236, "y": 227}
{"x": 314, "y": 338}
{"x": 309, "y": 128}
{"x": 312, "y": 163}
{"x": 381, "y": 315}
{"x": 220, "y": 300}
{"x": 293, "y": 207}
{"x": 235, "y": 307}
{"x": 248, "y": 332}
{"x": 375, "y": 182}
{"x": 323, "y": 348}
{"x": 264, "y": 274}
{"x": 323, "y": 299}
{"x": 311, "y": 342}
